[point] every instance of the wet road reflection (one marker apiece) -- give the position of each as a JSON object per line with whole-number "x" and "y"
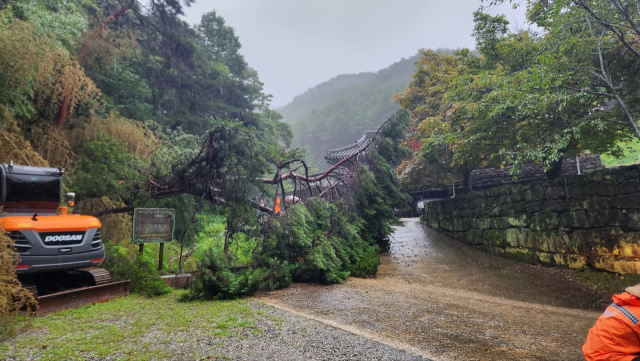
{"x": 421, "y": 255}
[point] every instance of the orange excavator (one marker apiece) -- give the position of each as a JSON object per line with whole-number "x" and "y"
{"x": 58, "y": 251}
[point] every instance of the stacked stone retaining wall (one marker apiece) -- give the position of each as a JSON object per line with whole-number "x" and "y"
{"x": 495, "y": 176}
{"x": 574, "y": 221}
{"x": 490, "y": 176}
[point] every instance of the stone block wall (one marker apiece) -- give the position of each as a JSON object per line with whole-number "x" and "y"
{"x": 490, "y": 176}
{"x": 576, "y": 220}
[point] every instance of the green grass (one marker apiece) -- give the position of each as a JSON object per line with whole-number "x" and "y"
{"x": 129, "y": 328}
{"x": 631, "y": 155}
{"x": 605, "y": 282}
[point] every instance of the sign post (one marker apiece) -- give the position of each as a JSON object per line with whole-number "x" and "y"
{"x": 153, "y": 225}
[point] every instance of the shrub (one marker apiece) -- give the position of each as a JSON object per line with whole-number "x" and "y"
{"x": 141, "y": 272}
{"x": 368, "y": 264}
{"x": 216, "y": 280}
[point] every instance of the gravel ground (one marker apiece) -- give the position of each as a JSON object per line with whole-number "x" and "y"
{"x": 287, "y": 336}
{"x": 273, "y": 334}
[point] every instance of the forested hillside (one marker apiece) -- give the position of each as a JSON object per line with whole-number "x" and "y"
{"x": 144, "y": 111}
{"x": 337, "y": 112}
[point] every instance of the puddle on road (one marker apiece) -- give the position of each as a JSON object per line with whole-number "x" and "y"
{"x": 424, "y": 256}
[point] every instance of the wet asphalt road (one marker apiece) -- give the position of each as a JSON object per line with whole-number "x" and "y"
{"x": 436, "y": 298}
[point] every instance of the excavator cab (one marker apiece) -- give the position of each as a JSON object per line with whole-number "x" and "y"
{"x": 45, "y": 237}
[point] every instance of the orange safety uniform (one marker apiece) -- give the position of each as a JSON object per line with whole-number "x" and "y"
{"x": 616, "y": 334}
{"x": 277, "y": 206}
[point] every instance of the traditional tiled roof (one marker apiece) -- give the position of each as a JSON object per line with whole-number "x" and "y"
{"x": 335, "y": 155}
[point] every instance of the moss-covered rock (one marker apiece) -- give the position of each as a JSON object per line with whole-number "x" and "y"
{"x": 627, "y": 201}
{"x": 493, "y": 211}
{"x": 577, "y": 204}
{"x": 628, "y": 245}
{"x": 513, "y": 208}
{"x": 474, "y": 237}
{"x": 534, "y": 194}
{"x": 545, "y": 221}
{"x": 522, "y": 255}
{"x": 491, "y": 202}
{"x": 517, "y": 197}
{"x": 577, "y": 219}
{"x": 518, "y": 220}
{"x": 633, "y": 219}
{"x": 551, "y": 241}
{"x": 595, "y": 242}
{"x": 606, "y": 217}
{"x": 478, "y": 203}
{"x": 483, "y": 223}
{"x": 562, "y": 260}
{"x": 520, "y": 237}
{"x": 446, "y": 225}
{"x": 599, "y": 202}
{"x": 499, "y": 223}
{"x": 493, "y": 237}
{"x": 617, "y": 265}
{"x": 554, "y": 193}
{"x": 630, "y": 186}
{"x": 494, "y": 192}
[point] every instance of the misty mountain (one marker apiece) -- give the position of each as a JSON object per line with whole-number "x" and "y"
{"x": 336, "y": 113}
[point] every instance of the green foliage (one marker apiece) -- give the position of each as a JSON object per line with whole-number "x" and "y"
{"x": 376, "y": 197}
{"x": 631, "y": 155}
{"x": 140, "y": 270}
{"x": 103, "y": 169}
{"x": 317, "y": 241}
{"x": 64, "y": 20}
{"x": 367, "y": 265}
{"x": 216, "y": 281}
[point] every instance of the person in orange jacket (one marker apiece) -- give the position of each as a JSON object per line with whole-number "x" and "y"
{"x": 616, "y": 334}
{"x": 276, "y": 208}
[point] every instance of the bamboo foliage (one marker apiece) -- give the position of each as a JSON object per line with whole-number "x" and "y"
{"x": 36, "y": 77}
{"x": 139, "y": 138}
{"x": 52, "y": 145}
{"x": 58, "y": 77}
{"x": 15, "y": 148}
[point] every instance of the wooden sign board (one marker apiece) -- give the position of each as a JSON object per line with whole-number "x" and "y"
{"x": 153, "y": 225}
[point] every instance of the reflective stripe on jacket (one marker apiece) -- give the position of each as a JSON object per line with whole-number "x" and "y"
{"x": 616, "y": 334}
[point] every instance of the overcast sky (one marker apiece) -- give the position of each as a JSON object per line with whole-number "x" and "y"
{"x": 296, "y": 44}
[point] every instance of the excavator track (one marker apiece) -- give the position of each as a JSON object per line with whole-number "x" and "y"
{"x": 69, "y": 289}
{"x": 100, "y": 275}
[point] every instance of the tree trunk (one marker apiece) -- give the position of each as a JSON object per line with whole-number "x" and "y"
{"x": 466, "y": 182}
{"x": 556, "y": 169}
{"x": 227, "y": 238}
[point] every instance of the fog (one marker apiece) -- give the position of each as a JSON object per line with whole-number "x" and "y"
{"x": 296, "y": 44}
